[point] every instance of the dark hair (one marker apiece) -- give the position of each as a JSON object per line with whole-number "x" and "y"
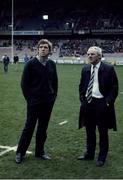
{"x": 45, "y": 41}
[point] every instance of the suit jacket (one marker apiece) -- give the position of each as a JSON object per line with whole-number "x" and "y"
{"x": 108, "y": 86}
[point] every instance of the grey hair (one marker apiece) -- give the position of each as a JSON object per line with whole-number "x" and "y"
{"x": 97, "y": 49}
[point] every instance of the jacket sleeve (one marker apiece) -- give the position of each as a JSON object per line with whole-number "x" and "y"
{"x": 25, "y": 81}
{"x": 110, "y": 99}
{"x": 82, "y": 86}
{"x": 55, "y": 82}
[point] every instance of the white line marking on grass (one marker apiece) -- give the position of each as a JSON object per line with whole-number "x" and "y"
{"x": 121, "y": 92}
{"x": 8, "y": 149}
{"x": 63, "y": 122}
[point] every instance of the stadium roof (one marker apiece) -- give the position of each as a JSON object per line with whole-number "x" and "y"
{"x": 66, "y": 4}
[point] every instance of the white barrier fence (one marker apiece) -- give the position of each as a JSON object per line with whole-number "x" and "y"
{"x": 114, "y": 59}
{"x": 119, "y": 63}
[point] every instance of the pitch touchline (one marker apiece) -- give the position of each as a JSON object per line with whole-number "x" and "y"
{"x": 63, "y": 122}
{"x": 8, "y": 149}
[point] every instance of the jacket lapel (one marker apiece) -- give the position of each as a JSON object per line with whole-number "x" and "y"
{"x": 88, "y": 73}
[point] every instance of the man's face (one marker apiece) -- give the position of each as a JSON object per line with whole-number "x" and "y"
{"x": 93, "y": 56}
{"x": 43, "y": 50}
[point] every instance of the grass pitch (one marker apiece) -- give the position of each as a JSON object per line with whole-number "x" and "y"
{"x": 65, "y": 142}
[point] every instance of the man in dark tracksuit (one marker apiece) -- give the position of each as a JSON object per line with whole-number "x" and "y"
{"x": 6, "y": 61}
{"x": 97, "y": 105}
{"x": 39, "y": 86}
{"x": 16, "y": 58}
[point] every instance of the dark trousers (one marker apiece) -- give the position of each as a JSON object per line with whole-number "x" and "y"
{"x": 96, "y": 116}
{"x": 5, "y": 67}
{"x": 39, "y": 114}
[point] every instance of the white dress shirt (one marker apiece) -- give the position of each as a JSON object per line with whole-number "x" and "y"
{"x": 95, "y": 90}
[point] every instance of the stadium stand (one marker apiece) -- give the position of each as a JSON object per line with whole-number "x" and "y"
{"x": 71, "y": 27}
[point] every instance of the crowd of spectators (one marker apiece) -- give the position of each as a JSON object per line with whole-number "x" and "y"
{"x": 63, "y": 48}
{"x": 79, "y": 47}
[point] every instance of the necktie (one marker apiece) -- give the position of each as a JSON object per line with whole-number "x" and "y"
{"x": 90, "y": 86}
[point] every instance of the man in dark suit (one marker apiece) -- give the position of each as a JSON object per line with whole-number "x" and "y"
{"x": 98, "y": 90}
{"x": 39, "y": 86}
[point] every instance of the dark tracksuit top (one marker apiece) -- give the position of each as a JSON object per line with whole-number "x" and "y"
{"x": 39, "y": 82}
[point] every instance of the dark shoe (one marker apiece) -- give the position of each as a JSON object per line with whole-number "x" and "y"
{"x": 18, "y": 158}
{"x": 86, "y": 157}
{"x": 44, "y": 157}
{"x": 99, "y": 163}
